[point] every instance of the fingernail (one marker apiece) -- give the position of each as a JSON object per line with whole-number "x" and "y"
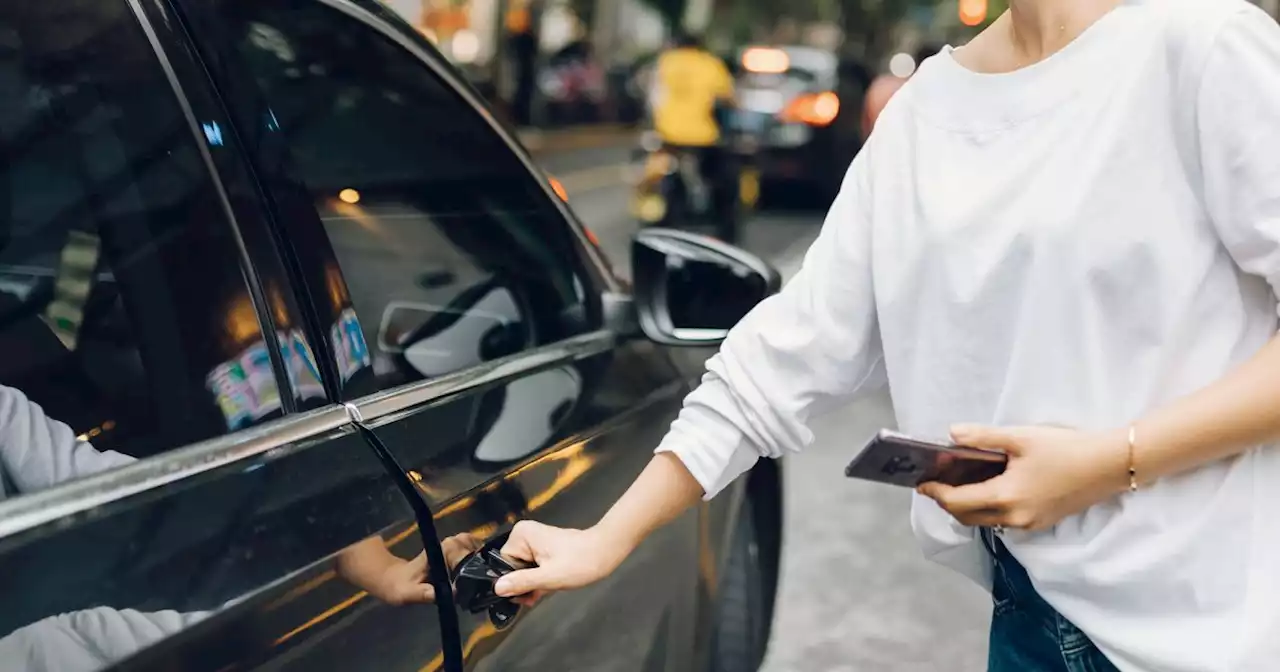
{"x": 501, "y": 587}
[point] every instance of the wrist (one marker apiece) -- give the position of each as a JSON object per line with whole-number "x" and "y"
{"x": 614, "y": 541}
{"x": 1113, "y": 460}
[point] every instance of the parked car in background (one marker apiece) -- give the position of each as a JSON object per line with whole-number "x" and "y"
{"x": 805, "y": 108}
{"x": 574, "y": 86}
{"x": 280, "y": 265}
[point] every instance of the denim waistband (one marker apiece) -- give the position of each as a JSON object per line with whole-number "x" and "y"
{"x": 1028, "y": 634}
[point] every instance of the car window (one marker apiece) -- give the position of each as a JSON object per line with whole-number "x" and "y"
{"x": 125, "y": 320}
{"x": 451, "y": 251}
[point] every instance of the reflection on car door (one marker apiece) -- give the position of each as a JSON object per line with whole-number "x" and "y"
{"x": 216, "y": 537}
{"x": 487, "y": 370}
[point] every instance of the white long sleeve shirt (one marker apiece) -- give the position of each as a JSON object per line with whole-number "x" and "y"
{"x": 1073, "y": 243}
{"x": 38, "y": 452}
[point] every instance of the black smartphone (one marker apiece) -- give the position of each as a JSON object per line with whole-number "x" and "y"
{"x": 898, "y": 459}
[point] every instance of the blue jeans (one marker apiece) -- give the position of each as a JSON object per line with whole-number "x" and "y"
{"x": 1028, "y": 635}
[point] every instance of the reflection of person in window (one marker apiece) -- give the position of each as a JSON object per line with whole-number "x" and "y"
{"x": 372, "y": 567}
{"x": 91, "y": 639}
{"x": 38, "y": 452}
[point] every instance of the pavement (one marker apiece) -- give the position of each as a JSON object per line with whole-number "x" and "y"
{"x": 856, "y": 594}
{"x": 574, "y": 138}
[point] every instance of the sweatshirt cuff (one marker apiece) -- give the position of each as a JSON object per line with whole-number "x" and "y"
{"x": 714, "y": 465}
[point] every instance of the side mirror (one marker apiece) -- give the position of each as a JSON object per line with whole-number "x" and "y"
{"x": 690, "y": 289}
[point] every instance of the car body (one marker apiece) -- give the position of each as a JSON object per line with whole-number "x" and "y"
{"x": 288, "y": 290}
{"x": 804, "y": 109}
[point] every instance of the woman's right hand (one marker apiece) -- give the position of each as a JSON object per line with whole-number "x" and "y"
{"x": 565, "y": 558}
{"x": 570, "y": 559}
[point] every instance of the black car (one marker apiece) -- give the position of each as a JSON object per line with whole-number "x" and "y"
{"x": 804, "y": 106}
{"x": 289, "y": 318}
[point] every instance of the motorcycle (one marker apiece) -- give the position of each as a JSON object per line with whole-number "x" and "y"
{"x": 670, "y": 190}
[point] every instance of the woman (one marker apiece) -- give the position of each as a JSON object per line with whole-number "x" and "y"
{"x": 1069, "y": 232}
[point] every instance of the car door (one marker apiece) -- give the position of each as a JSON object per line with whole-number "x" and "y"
{"x": 474, "y": 339}
{"x": 178, "y": 491}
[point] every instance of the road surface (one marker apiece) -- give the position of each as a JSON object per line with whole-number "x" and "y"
{"x": 856, "y": 595}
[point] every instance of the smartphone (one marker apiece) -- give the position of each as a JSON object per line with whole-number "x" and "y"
{"x": 897, "y": 459}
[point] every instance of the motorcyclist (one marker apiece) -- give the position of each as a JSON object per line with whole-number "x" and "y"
{"x": 693, "y": 88}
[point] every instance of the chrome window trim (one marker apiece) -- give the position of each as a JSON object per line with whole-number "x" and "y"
{"x": 380, "y": 406}
{"x": 27, "y": 512}
{"x": 376, "y": 23}
{"x": 24, "y": 513}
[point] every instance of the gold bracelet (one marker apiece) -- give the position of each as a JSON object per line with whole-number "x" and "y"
{"x": 1133, "y": 471}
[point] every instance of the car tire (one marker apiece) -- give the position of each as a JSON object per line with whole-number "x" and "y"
{"x": 742, "y": 622}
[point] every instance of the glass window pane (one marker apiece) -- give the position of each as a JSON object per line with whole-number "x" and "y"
{"x": 451, "y": 251}
{"x": 126, "y": 320}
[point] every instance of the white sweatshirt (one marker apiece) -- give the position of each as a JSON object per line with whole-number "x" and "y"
{"x": 1073, "y": 243}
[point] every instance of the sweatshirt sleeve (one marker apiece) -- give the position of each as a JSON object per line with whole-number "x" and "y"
{"x": 799, "y": 353}
{"x": 1238, "y": 126}
{"x": 38, "y": 452}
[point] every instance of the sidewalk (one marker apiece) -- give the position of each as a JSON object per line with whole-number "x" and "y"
{"x": 558, "y": 140}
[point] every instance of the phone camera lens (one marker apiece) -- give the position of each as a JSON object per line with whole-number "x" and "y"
{"x": 900, "y": 464}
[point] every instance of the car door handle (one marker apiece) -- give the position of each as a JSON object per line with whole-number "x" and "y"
{"x": 474, "y": 578}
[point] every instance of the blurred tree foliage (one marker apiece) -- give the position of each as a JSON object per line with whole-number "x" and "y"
{"x": 671, "y": 11}
{"x": 585, "y": 10}
{"x": 868, "y": 25}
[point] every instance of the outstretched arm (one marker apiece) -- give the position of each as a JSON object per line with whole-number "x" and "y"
{"x": 798, "y": 354}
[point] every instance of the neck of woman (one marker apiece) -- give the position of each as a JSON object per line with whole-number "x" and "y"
{"x": 1038, "y": 28}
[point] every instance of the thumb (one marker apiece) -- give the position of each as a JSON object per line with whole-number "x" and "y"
{"x": 413, "y": 594}
{"x": 524, "y": 581}
{"x": 989, "y": 438}
{"x": 519, "y": 544}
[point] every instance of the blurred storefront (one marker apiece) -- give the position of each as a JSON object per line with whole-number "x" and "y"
{"x": 470, "y": 32}
{"x": 514, "y": 50}
{"x": 465, "y": 30}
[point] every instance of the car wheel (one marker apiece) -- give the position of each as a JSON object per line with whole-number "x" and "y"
{"x": 742, "y": 625}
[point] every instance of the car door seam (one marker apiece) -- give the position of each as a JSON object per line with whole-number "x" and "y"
{"x": 438, "y": 567}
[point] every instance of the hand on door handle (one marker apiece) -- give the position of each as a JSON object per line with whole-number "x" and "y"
{"x": 568, "y": 559}
{"x": 475, "y": 577}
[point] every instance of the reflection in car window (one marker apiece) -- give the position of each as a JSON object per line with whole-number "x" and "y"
{"x": 120, "y": 342}
{"x": 451, "y": 252}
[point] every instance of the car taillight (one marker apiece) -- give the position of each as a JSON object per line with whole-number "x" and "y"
{"x": 814, "y": 109}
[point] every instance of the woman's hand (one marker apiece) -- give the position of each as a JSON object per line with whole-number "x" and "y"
{"x": 370, "y": 566}
{"x": 566, "y": 559}
{"x": 1052, "y": 473}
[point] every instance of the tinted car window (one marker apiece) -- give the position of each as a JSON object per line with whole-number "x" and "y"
{"x": 125, "y": 321}
{"x": 451, "y": 251}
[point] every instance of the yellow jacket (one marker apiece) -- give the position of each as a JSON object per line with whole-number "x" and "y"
{"x": 690, "y": 82}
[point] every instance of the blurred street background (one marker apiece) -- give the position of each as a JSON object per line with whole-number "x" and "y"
{"x": 572, "y": 76}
